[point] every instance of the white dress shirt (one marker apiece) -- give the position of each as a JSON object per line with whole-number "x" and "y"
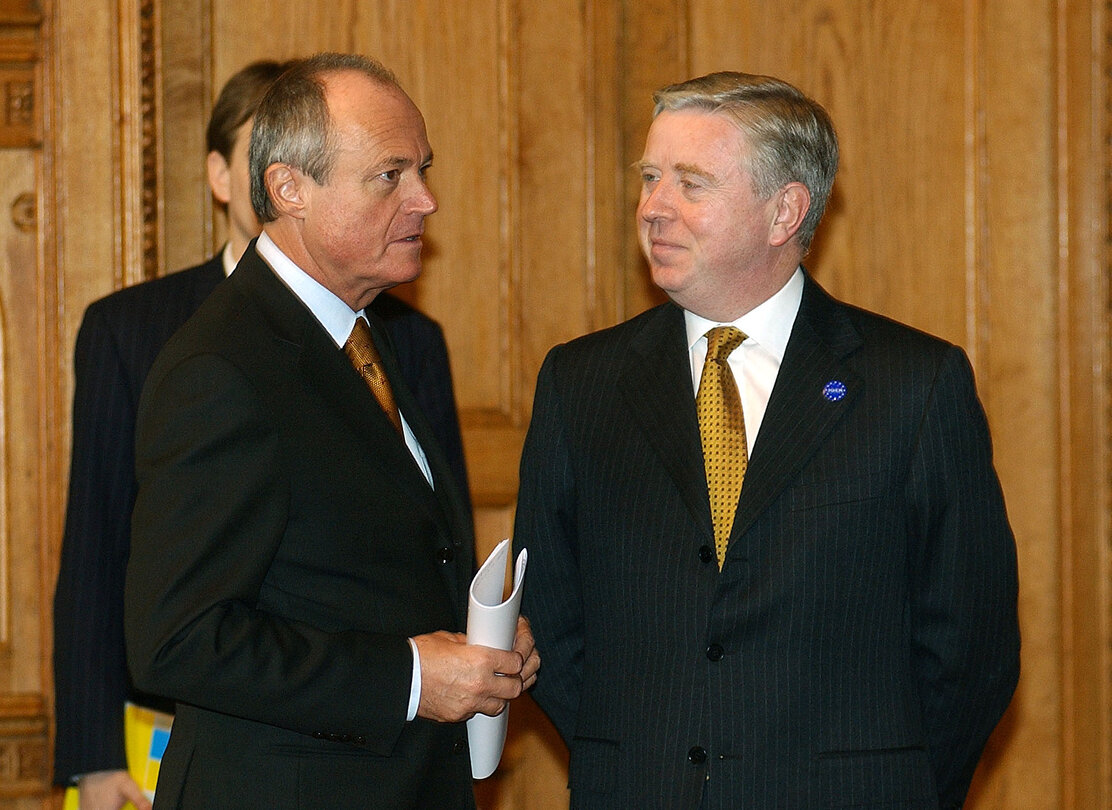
{"x": 756, "y": 362}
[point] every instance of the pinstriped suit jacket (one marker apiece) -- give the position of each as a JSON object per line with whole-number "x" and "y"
{"x": 120, "y": 336}
{"x": 861, "y": 641}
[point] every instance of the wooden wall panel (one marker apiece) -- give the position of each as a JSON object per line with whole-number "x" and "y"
{"x": 188, "y": 223}
{"x": 1015, "y": 329}
{"x": 653, "y": 53}
{"x": 1084, "y": 191}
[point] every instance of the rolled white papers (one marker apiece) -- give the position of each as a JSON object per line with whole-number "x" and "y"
{"x": 492, "y": 622}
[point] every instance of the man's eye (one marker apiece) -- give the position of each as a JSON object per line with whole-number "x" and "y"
{"x": 391, "y": 176}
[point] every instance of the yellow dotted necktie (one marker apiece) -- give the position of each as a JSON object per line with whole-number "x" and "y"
{"x": 722, "y": 430}
{"x": 360, "y": 349}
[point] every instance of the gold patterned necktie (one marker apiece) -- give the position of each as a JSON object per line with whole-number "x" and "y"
{"x": 722, "y": 430}
{"x": 360, "y": 349}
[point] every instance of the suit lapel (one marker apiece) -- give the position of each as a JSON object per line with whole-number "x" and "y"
{"x": 453, "y": 514}
{"x": 802, "y": 410}
{"x": 656, "y": 386}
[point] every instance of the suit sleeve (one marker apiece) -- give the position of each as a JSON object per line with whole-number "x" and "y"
{"x": 546, "y": 525}
{"x": 210, "y": 518}
{"x": 90, "y": 674}
{"x": 965, "y": 629}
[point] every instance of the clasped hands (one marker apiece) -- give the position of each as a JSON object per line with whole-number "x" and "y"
{"x": 459, "y": 680}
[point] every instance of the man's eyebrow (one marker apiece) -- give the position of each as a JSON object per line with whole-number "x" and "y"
{"x": 682, "y": 168}
{"x": 401, "y": 162}
{"x": 690, "y": 168}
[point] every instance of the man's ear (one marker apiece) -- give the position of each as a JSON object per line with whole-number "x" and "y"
{"x": 219, "y": 177}
{"x": 287, "y": 189}
{"x": 792, "y": 203}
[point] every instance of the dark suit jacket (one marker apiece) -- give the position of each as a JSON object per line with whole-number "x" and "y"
{"x": 120, "y": 337}
{"x": 284, "y": 546}
{"x": 861, "y": 641}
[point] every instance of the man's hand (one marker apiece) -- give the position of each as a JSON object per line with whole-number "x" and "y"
{"x": 110, "y": 790}
{"x": 459, "y": 679}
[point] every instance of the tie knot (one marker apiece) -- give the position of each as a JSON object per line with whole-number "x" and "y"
{"x": 721, "y": 340}
{"x": 360, "y": 346}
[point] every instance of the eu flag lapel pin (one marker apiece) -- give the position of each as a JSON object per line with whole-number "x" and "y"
{"x": 834, "y": 390}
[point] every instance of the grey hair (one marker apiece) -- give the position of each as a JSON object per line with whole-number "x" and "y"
{"x": 293, "y": 125}
{"x": 791, "y": 137}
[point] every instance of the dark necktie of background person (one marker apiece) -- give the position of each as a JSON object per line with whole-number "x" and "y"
{"x": 722, "y": 430}
{"x": 360, "y": 349}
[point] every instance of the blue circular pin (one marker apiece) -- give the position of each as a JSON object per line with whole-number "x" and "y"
{"x": 834, "y": 390}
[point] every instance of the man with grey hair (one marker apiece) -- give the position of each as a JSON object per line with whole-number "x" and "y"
{"x": 769, "y": 559}
{"x": 301, "y": 551}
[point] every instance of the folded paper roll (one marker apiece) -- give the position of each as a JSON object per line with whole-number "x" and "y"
{"x": 492, "y": 622}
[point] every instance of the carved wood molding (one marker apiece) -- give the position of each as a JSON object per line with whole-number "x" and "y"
{"x": 23, "y": 722}
{"x": 150, "y": 95}
{"x": 20, "y": 23}
{"x": 24, "y": 752}
{"x": 140, "y": 140}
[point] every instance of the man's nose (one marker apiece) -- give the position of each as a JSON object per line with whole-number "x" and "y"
{"x": 423, "y": 201}
{"x": 655, "y": 203}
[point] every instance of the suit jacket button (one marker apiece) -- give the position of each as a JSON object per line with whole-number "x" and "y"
{"x": 458, "y": 747}
{"x": 697, "y": 755}
{"x": 360, "y": 740}
{"x": 706, "y": 554}
{"x": 318, "y": 735}
{"x": 445, "y": 554}
{"x": 715, "y": 652}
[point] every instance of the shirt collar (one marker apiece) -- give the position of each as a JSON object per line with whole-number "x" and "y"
{"x": 334, "y": 315}
{"x": 229, "y": 261}
{"x": 768, "y": 324}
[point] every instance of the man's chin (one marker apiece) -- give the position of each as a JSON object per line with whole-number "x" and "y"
{"x": 669, "y": 278}
{"x": 405, "y": 273}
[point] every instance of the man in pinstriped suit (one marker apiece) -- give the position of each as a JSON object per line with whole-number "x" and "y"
{"x": 860, "y": 641}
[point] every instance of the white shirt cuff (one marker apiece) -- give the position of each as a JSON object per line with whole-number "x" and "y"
{"x": 415, "y": 684}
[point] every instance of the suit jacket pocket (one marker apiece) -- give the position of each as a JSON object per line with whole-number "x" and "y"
{"x": 882, "y": 778}
{"x": 593, "y": 766}
{"x": 834, "y": 491}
